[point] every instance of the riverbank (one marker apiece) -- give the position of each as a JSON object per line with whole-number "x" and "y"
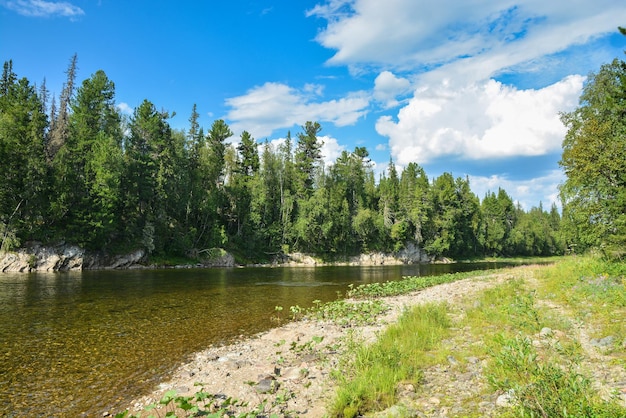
{"x": 293, "y": 369}
{"x": 297, "y": 358}
{"x": 36, "y": 257}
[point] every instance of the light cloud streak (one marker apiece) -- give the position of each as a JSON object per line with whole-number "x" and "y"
{"x": 41, "y": 8}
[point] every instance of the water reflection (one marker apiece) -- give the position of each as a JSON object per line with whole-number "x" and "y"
{"x": 81, "y": 343}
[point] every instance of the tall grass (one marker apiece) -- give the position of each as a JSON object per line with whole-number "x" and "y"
{"x": 371, "y": 377}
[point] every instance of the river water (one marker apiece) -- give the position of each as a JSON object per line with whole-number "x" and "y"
{"x": 81, "y": 343}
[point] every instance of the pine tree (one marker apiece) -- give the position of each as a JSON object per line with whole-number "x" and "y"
{"x": 25, "y": 178}
{"x": 308, "y": 157}
{"x": 59, "y": 125}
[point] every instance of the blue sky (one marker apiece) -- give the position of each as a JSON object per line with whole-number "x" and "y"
{"x": 471, "y": 88}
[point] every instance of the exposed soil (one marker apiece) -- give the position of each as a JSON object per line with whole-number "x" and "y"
{"x": 294, "y": 366}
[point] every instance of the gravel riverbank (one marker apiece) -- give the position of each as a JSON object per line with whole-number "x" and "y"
{"x": 287, "y": 370}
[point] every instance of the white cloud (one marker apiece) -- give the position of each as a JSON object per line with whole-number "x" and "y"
{"x": 41, "y": 8}
{"x": 480, "y": 121}
{"x": 529, "y": 193}
{"x": 125, "y": 108}
{"x": 421, "y": 34}
{"x": 272, "y": 106}
{"x": 387, "y": 87}
{"x": 331, "y": 150}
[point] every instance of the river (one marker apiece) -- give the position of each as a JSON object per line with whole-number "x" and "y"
{"x": 81, "y": 343}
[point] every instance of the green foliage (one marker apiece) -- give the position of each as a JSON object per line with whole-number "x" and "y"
{"x": 407, "y": 284}
{"x": 25, "y": 180}
{"x": 349, "y": 313}
{"x": 594, "y": 151}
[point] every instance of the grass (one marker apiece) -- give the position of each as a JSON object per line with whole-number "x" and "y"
{"x": 376, "y": 370}
{"x": 510, "y": 327}
{"x": 593, "y": 290}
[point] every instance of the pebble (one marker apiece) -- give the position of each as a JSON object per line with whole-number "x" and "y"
{"x": 545, "y": 332}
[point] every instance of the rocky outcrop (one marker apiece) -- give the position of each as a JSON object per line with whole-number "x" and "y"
{"x": 36, "y": 257}
{"x": 410, "y": 254}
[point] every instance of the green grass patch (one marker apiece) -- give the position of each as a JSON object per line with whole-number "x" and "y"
{"x": 594, "y": 290}
{"x": 504, "y": 325}
{"x": 371, "y": 376}
{"x": 542, "y": 373}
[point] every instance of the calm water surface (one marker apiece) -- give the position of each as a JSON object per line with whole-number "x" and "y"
{"x": 82, "y": 343}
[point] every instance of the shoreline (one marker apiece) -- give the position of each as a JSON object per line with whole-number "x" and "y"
{"x": 296, "y": 359}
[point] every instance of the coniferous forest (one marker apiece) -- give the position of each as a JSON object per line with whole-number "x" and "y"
{"x": 76, "y": 170}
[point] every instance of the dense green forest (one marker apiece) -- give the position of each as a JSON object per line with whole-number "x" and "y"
{"x": 78, "y": 171}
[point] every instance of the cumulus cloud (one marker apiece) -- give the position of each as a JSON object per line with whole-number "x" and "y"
{"x": 331, "y": 149}
{"x": 387, "y": 88}
{"x": 41, "y": 8}
{"x": 272, "y": 106}
{"x": 481, "y": 121}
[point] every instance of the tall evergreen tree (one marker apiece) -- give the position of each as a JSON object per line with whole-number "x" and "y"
{"x": 389, "y": 194}
{"x": 414, "y": 204}
{"x": 88, "y": 166}
{"x": 308, "y": 157}
{"x": 149, "y": 155}
{"x": 59, "y": 124}
{"x": 25, "y": 178}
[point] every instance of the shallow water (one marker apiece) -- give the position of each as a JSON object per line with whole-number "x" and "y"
{"x": 82, "y": 343}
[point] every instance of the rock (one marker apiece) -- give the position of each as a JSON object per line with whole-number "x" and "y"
{"x": 545, "y": 332}
{"x": 293, "y": 373}
{"x": 452, "y": 361}
{"x": 506, "y": 400}
{"x": 603, "y": 342}
{"x": 267, "y": 384}
{"x": 396, "y": 411}
{"x": 36, "y": 257}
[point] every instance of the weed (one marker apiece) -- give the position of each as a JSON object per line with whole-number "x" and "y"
{"x": 349, "y": 313}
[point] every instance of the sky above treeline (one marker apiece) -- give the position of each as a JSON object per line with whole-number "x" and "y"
{"x": 473, "y": 88}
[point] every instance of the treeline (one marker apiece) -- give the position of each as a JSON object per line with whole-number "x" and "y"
{"x": 78, "y": 171}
